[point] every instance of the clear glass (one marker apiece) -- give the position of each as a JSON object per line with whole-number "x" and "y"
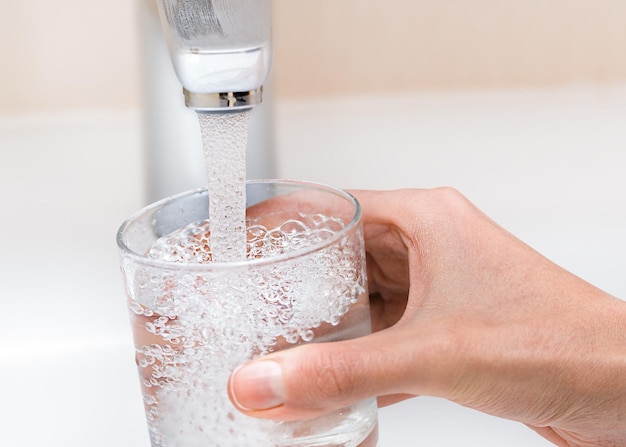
{"x": 218, "y": 46}
{"x": 194, "y": 322}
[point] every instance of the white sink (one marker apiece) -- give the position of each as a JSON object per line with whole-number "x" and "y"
{"x": 547, "y": 165}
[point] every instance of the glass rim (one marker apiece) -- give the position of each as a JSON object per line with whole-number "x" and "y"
{"x": 216, "y": 266}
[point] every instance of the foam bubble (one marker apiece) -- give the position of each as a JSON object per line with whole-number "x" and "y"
{"x": 197, "y": 327}
{"x": 191, "y": 244}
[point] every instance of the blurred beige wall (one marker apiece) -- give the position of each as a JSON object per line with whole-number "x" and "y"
{"x": 76, "y": 54}
{"x": 67, "y": 54}
{"x": 351, "y": 46}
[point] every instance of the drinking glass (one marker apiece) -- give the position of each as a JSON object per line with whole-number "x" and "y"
{"x": 194, "y": 321}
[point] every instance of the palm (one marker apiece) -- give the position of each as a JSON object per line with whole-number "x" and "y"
{"x": 388, "y": 273}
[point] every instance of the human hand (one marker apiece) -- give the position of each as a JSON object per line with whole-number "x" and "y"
{"x": 463, "y": 310}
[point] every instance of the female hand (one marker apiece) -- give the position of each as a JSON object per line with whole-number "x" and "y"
{"x": 463, "y": 310}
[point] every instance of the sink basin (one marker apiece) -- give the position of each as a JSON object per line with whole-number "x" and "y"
{"x": 547, "y": 165}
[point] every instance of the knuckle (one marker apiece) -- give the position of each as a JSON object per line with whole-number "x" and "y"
{"x": 334, "y": 375}
{"x": 450, "y": 197}
{"x": 453, "y": 206}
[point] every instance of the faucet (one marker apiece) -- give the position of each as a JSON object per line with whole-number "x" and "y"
{"x": 220, "y": 50}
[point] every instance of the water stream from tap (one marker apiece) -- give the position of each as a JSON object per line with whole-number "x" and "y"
{"x": 224, "y": 139}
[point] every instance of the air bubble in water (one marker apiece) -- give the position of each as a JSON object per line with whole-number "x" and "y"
{"x": 207, "y": 324}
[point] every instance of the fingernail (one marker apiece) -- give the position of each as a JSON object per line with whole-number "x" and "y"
{"x": 257, "y": 385}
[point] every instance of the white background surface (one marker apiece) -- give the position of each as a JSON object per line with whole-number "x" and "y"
{"x": 548, "y": 165}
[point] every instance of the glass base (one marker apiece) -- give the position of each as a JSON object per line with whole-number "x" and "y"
{"x": 372, "y": 438}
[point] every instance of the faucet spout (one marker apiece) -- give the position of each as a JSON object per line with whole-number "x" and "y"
{"x": 229, "y": 101}
{"x": 220, "y": 50}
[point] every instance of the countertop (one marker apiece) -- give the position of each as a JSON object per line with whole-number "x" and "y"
{"x": 547, "y": 165}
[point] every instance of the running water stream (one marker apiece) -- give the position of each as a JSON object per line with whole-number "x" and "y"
{"x": 192, "y": 328}
{"x": 224, "y": 139}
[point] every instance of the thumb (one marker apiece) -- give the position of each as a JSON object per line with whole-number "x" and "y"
{"x": 315, "y": 379}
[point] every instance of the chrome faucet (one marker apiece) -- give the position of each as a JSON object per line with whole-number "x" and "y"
{"x": 220, "y": 50}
